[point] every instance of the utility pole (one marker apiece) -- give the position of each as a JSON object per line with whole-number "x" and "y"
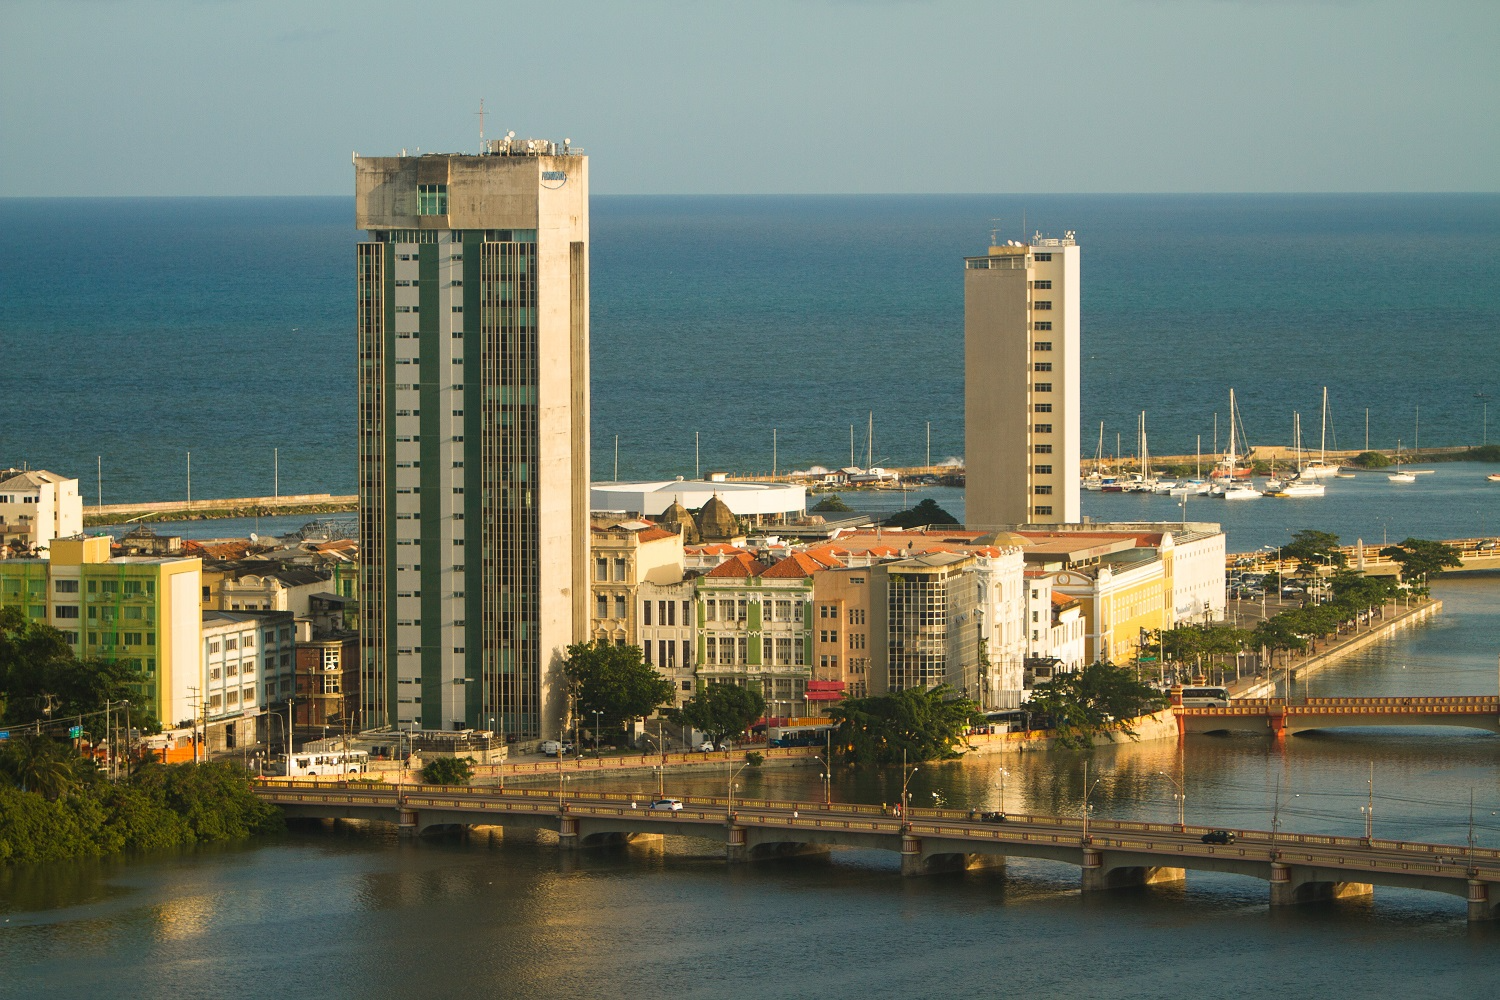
{"x": 1369, "y": 810}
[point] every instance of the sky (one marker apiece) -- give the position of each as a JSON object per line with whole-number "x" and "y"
{"x": 262, "y": 97}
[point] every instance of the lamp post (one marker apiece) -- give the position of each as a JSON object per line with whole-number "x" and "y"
{"x": 597, "y": 714}
{"x": 905, "y": 791}
{"x": 732, "y": 786}
{"x": 1180, "y": 795}
{"x": 1369, "y": 809}
{"x": 1088, "y": 790}
{"x": 827, "y": 777}
{"x": 1003, "y": 773}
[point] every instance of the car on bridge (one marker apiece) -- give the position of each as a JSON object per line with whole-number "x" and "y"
{"x": 666, "y": 805}
{"x": 1217, "y": 837}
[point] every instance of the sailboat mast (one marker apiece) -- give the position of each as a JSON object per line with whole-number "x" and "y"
{"x": 1230, "y": 455}
{"x": 1323, "y": 440}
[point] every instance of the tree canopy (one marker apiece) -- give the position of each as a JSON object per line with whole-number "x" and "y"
{"x": 448, "y": 771}
{"x": 1101, "y": 696}
{"x": 923, "y": 514}
{"x": 831, "y": 503}
{"x": 722, "y": 710}
{"x": 1313, "y": 549}
{"x": 41, "y": 678}
{"x": 1419, "y": 558}
{"x": 925, "y": 724}
{"x": 614, "y": 681}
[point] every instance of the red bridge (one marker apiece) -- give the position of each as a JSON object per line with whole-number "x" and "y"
{"x": 1280, "y": 717}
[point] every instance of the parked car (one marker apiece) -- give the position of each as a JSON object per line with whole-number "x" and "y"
{"x": 1217, "y": 837}
{"x": 551, "y": 748}
{"x": 707, "y": 746}
{"x": 666, "y": 805}
{"x": 1486, "y": 545}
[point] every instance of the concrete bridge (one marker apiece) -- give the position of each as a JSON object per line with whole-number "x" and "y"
{"x": 1279, "y": 717}
{"x": 1111, "y": 853}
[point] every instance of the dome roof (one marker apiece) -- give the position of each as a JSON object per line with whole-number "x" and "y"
{"x": 716, "y": 521}
{"x": 676, "y": 518}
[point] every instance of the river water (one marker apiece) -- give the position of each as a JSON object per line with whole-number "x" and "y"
{"x": 354, "y": 913}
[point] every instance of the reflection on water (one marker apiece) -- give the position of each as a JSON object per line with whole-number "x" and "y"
{"x": 352, "y": 912}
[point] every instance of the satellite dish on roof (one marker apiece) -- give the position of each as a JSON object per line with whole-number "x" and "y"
{"x": 254, "y": 538}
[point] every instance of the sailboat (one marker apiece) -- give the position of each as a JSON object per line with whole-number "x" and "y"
{"x": 1320, "y": 469}
{"x": 1231, "y": 488}
{"x": 1300, "y": 485}
{"x": 1398, "y": 476}
{"x": 1095, "y": 481}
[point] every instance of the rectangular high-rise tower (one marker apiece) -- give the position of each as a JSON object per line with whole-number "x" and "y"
{"x": 1021, "y": 393}
{"x": 473, "y": 434}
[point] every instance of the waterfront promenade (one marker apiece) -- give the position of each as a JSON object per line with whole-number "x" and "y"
{"x": 1110, "y": 853}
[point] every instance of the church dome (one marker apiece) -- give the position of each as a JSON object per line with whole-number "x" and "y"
{"x": 716, "y": 522}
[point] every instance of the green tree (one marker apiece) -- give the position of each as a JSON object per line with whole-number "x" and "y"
{"x": 34, "y": 762}
{"x": 1100, "y": 697}
{"x": 448, "y": 771}
{"x": 41, "y": 678}
{"x": 832, "y": 503}
{"x": 923, "y": 514}
{"x": 1371, "y": 460}
{"x": 1313, "y": 549}
{"x": 1421, "y": 559}
{"x": 614, "y": 681}
{"x": 925, "y": 724}
{"x": 722, "y": 710}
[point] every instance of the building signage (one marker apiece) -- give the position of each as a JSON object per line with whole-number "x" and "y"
{"x": 554, "y": 179}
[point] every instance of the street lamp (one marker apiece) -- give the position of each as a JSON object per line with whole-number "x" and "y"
{"x": 1003, "y": 773}
{"x": 597, "y": 714}
{"x": 732, "y": 787}
{"x": 1088, "y": 790}
{"x": 827, "y": 777}
{"x": 905, "y": 793}
{"x": 1180, "y": 795}
{"x": 1369, "y": 810}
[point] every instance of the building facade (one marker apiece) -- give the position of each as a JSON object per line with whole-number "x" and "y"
{"x": 37, "y": 506}
{"x": 473, "y": 319}
{"x": 138, "y": 610}
{"x": 247, "y": 669}
{"x": 1021, "y": 384}
{"x": 932, "y": 631}
{"x": 753, "y": 629}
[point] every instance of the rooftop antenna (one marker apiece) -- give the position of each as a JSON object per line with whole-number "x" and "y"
{"x": 995, "y": 233}
{"x": 480, "y": 113}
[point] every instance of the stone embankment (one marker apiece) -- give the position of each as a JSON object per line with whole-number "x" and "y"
{"x": 194, "y": 510}
{"x": 1306, "y": 664}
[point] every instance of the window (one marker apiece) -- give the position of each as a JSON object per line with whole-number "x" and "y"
{"x": 1043, "y": 428}
{"x": 646, "y": 649}
{"x": 687, "y": 614}
{"x": 601, "y": 609}
{"x": 1042, "y": 366}
{"x": 856, "y": 640}
{"x": 1042, "y": 387}
{"x": 1042, "y": 490}
{"x": 1042, "y": 306}
{"x": 619, "y": 605}
{"x": 782, "y": 611}
{"x": 740, "y": 607}
{"x": 66, "y": 586}
{"x": 1041, "y": 284}
{"x": 783, "y": 651}
{"x": 601, "y": 569}
{"x": 856, "y": 616}
{"x": 619, "y": 571}
{"x": 1042, "y": 345}
{"x": 710, "y": 610}
{"x": 1042, "y": 449}
{"x": 1042, "y": 324}
{"x": 432, "y": 199}
{"x": 646, "y": 615}
{"x": 1044, "y": 470}
{"x": 1042, "y": 407}
{"x": 1041, "y": 257}
{"x": 687, "y": 659}
{"x": 66, "y": 611}
{"x": 1044, "y": 510}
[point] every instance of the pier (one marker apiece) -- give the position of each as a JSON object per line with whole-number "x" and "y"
{"x": 190, "y": 510}
{"x": 1110, "y": 854}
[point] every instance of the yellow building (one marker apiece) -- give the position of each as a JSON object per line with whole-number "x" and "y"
{"x": 140, "y": 610}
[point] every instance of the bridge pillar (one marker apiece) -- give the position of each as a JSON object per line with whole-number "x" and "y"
{"x": 567, "y": 833}
{"x": 1480, "y": 907}
{"x": 735, "y": 850}
{"x": 1098, "y": 878}
{"x": 1286, "y": 892}
{"x": 406, "y": 823}
{"x": 911, "y": 855}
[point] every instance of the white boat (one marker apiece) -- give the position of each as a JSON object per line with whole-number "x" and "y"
{"x": 1493, "y": 477}
{"x": 1095, "y": 481}
{"x": 1230, "y": 487}
{"x": 1398, "y": 476}
{"x": 1320, "y": 469}
{"x": 1300, "y": 485}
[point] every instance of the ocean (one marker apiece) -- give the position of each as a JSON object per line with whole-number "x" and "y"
{"x": 135, "y": 331}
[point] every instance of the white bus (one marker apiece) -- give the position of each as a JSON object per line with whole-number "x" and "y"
{"x": 1205, "y": 697}
{"x": 330, "y": 762}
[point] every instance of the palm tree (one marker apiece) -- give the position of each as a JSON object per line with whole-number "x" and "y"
{"x": 36, "y": 763}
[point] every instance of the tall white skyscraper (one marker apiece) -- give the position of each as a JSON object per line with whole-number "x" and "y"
{"x": 1021, "y": 392}
{"x": 473, "y": 434}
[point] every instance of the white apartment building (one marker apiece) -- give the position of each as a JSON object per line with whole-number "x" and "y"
{"x": 473, "y": 320}
{"x": 1022, "y": 359}
{"x": 37, "y": 506}
{"x": 248, "y": 663}
{"x": 668, "y": 633}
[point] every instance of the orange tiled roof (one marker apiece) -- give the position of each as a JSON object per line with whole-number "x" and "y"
{"x": 743, "y": 565}
{"x": 795, "y": 566}
{"x": 654, "y": 534}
